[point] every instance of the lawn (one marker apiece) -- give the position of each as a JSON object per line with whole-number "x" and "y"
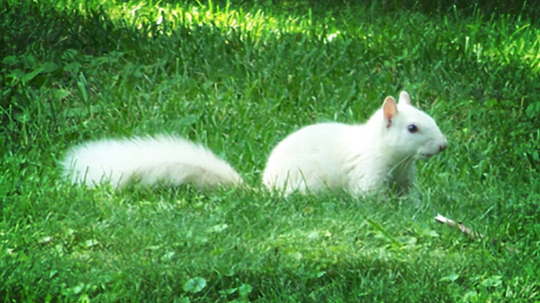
{"x": 238, "y": 77}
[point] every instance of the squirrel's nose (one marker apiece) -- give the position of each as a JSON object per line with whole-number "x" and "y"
{"x": 443, "y": 146}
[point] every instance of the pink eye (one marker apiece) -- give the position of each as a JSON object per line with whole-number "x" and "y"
{"x": 412, "y": 129}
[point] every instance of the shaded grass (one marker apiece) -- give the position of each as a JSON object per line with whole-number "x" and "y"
{"x": 90, "y": 72}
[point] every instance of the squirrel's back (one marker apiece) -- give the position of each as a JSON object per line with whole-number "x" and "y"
{"x": 310, "y": 159}
{"x": 169, "y": 159}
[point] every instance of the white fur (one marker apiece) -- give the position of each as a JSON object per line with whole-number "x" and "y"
{"x": 168, "y": 159}
{"x": 358, "y": 158}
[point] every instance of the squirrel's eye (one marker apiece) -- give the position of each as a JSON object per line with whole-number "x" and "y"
{"x": 413, "y": 129}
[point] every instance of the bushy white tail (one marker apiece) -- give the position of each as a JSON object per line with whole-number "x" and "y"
{"x": 169, "y": 159}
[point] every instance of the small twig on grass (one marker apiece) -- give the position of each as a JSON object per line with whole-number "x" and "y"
{"x": 469, "y": 232}
{"x": 462, "y": 228}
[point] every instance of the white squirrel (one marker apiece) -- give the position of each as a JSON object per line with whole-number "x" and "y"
{"x": 361, "y": 158}
{"x": 357, "y": 158}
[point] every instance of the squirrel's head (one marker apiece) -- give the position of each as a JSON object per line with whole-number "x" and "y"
{"x": 409, "y": 131}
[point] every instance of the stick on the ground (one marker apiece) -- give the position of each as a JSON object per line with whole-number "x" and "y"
{"x": 469, "y": 232}
{"x": 462, "y": 228}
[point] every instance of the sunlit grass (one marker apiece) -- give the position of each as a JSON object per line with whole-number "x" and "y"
{"x": 249, "y": 20}
{"x": 508, "y": 40}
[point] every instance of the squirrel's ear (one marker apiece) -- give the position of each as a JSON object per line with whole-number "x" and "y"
{"x": 404, "y": 98}
{"x": 389, "y": 110}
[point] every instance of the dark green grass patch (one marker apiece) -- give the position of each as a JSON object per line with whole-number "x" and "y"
{"x": 238, "y": 77}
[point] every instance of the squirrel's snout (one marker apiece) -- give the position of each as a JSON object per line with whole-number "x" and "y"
{"x": 443, "y": 146}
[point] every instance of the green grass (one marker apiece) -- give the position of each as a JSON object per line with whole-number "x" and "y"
{"x": 239, "y": 77}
